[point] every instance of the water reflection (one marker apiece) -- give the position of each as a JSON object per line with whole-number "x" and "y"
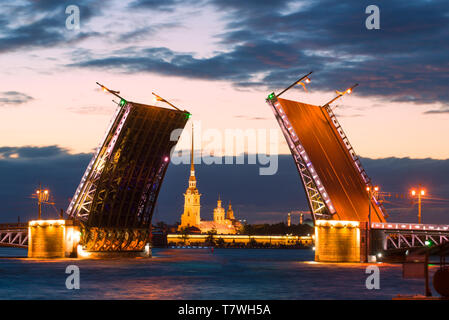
{"x": 200, "y": 274}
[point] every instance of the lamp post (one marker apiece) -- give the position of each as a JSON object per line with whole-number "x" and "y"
{"x": 420, "y": 192}
{"x": 341, "y": 94}
{"x": 372, "y": 191}
{"x": 42, "y": 197}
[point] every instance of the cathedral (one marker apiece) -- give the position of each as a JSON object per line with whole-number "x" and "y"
{"x": 223, "y": 223}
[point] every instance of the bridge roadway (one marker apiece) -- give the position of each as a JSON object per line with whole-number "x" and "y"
{"x": 14, "y": 235}
{"x": 332, "y": 161}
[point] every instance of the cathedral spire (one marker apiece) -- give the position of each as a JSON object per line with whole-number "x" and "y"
{"x": 192, "y": 179}
{"x": 192, "y": 165}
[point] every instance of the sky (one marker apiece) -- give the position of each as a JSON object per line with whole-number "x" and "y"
{"x": 219, "y": 59}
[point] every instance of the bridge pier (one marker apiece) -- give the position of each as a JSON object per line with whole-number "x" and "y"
{"x": 53, "y": 238}
{"x": 340, "y": 241}
{"x": 62, "y": 239}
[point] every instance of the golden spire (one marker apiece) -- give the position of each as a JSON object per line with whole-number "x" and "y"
{"x": 192, "y": 179}
{"x": 192, "y": 166}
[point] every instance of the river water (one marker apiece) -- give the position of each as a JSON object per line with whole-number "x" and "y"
{"x": 200, "y": 274}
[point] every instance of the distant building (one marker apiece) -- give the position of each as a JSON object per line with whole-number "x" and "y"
{"x": 223, "y": 223}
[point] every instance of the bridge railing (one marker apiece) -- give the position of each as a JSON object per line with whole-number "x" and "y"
{"x": 13, "y": 226}
{"x": 410, "y": 226}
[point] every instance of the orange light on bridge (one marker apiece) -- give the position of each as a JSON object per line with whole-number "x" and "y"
{"x": 420, "y": 192}
{"x": 375, "y": 188}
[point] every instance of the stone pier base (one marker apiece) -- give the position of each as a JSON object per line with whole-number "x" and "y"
{"x": 52, "y": 238}
{"x": 339, "y": 241}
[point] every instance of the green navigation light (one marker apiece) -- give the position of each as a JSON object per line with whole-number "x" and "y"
{"x": 271, "y": 96}
{"x": 122, "y": 102}
{"x": 188, "y": 115}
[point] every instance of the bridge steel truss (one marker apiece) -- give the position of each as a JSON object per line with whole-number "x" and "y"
{"x": 320, "y": 206}
{"x": 407, "y": 236}
{"x": 117, "y": 195}
{"x": 14, "y": 235}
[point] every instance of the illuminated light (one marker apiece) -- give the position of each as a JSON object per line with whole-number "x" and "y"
{"x": 422, "y": 192}
{"x": 413, "y": 192}
{"x": 166, "y": 159}
{"x": 376, "y": 188}
{"x": 271, "y": 96}
{"x": 81, "y": 252}
{"x": 188, "y": 115}
{"x": 367, "y": 188}
{"x": 37, "y": 191}
{"x": 46, "y": 222}
{"x": 428, "y": 243}
{"x": 331, "y": 223}
{"x": 307, "y": 80}
{"x": 379, "y": 255}
{"x": 349, "y": 90}
{"x": 76, "y": 235}
{"x": 122, "y": 102}
{"x": 147, "y": 249}
{"x": 46, "y": 191}
{"x": 104, "y": 89}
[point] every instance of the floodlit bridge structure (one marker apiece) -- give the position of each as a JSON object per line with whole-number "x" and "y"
{"x": 345, "y": 210}
{"x": 111, "y": 210}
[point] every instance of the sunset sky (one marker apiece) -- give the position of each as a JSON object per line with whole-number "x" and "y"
{"x": 219, "y": 59}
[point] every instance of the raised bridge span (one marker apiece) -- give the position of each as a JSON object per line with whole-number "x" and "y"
{"x": 332, "y": 174}
{"x": 337, "y": 186}
{"x": 111, "y": 210}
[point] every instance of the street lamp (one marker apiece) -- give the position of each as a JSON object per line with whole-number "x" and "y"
{"x": 372, "y": 191}
{"x": 341, "y": 94}
{"x": 303, "y": 84}
{"x": 42, "y": 197}
{"x": 420, "y": 192}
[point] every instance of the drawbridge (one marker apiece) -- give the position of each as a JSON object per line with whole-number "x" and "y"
{"x": 331, "y": 172}
{"x": 337, "y": 187}
{"x": 116, "y": 197}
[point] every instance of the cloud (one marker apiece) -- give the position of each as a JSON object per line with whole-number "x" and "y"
{"x": 166, "y": 5}
{"x": 406, "y": 60}
{"x": 91, "y": 110}
{"x": 30, "y": 152}
{"x": 14, "y": 98}
{"x": 255, "y": 198}
{"x": 41, "y": 24}
{"x": 251, "y": 117}
{"x": 437, "y": 111}
{"x": 239, "y": 66}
